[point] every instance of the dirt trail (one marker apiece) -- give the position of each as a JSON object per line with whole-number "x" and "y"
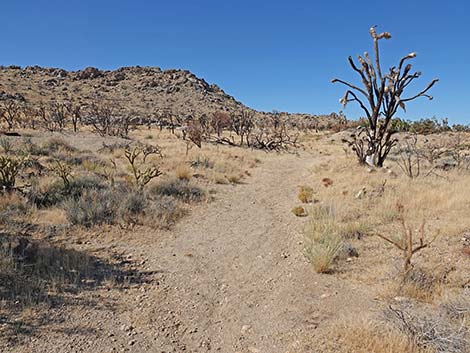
{"x": 232, "y": 279}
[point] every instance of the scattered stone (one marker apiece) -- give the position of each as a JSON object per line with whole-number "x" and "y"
{"x": 245, "y": 328}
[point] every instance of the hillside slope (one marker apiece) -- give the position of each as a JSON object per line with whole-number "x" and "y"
{"x": 143, "y": 90}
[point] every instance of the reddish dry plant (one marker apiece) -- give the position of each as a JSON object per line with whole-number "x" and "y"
{"x": 406, "y": 243}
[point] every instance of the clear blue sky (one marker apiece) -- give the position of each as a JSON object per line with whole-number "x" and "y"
{"x": 268, "y": 54}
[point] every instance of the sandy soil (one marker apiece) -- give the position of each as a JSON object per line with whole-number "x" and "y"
{"x": 231, "y": 277}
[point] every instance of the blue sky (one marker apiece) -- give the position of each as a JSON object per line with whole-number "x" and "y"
{"x": 268, "y": 54}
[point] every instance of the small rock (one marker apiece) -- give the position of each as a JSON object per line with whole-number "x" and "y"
{"x": 245, "y": 328}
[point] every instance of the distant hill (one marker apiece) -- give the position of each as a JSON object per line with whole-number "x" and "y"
{"x": 144, "y": 90}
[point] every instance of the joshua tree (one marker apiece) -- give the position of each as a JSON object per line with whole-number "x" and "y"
{"x": 379, "y": 97}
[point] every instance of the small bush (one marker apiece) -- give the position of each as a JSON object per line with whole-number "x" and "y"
{"x": 55, "y": 145}
{"x": 12, "y": 208}
{"x": 202, "y": 162}
{"x": 6, "y": 145}
{"x": 234, "y": 179}
{"x": 10, "y": 168}
{"x": 57, "y": 192}
{"x": 305, "y": 194}
{"x": 163, "y": 212}
{"x": 180, "y": 190}
{"x": 93, "y": 207}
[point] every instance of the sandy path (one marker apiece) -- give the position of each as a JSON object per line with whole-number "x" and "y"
{"x": 232, "y": 278}
{"x": 245, "y": 285}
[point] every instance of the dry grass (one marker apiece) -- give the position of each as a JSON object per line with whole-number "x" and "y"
{"x": 299, "y": 211}
{"x": 323, "y": 243}
{"x": 365, "y": 336}
{"x": 183, "y": 172}
{"x": 364, "y": 203}
{"x": 305, "y": 194}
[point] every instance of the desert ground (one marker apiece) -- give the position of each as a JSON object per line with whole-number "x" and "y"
{"x": 233, "y": 249}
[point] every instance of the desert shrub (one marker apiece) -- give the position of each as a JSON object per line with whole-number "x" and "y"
{"x": 183, "y": 172}
{"x": 431, "y": 330}
{"x": 93, "y": 207}
{"x": 10, "y": 167}
{"x": 428, "y": 126}
{"x": 142, "y": 174}
{"x": 202, "y": 162}
{"x": 179, "y": 189}
{"x": 132, "y": 206}
{"x": 163, "y": 212}
{"x": 58, "y": 192}
{"x": 12, "y": 208}
{"x": 55, "y": 145}
{"x": 420, "y": 284}
{"x": 234, "y": 179}
{"x": 362, "y": 335}
{"x": 299, "y": 211}
{"x": 31, "y": 148}
{"x": 305, "y": 194}
{"x": 6, "y": 145}
{"x": 322, "y": 244}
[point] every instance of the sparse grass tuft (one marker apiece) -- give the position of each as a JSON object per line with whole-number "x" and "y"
{"x": 322, "y": 244}
{"x": 305, "y": 194}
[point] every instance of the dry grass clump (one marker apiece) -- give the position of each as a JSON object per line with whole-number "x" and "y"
{"x": 14, "y": 209}
{"x": 365, "y": 336}
{"x": 300, "y": 211}
{"x": 322, "y": 244}
{"x": 183, "y": 172}
{"x": 234, "y": 179}
{"x": 305, "y": 194}
{"x": 364, "y": 203}
{"x": 178, "y": 189}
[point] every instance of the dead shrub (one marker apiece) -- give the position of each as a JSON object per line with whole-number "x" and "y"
{"x": 431, "y": 330}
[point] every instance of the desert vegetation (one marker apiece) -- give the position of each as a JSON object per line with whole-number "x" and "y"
{"x": 183, "y": 224}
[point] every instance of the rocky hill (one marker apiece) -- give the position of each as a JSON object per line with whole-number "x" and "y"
{"x": 143, "y": 90}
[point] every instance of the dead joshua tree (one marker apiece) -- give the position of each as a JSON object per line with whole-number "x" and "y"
{"x": 142, "y": 174}
{"x": 379, "y": 97}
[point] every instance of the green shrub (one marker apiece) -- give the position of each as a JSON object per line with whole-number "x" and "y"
{"x": 179, "y": 189}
